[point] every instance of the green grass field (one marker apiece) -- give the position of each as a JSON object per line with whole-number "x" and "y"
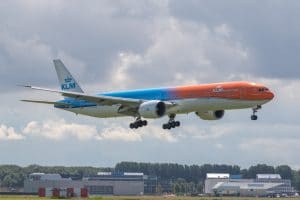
{"x": 143, "y": 198}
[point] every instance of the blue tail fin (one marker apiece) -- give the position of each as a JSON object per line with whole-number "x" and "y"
{"x": 66, "y": 80}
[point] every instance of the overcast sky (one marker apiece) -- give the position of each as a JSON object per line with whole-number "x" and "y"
{"x": 117, "y": 45}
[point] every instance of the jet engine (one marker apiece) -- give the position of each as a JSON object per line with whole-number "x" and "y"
{"x": 152, "y": 109}
{"x": 211, "y": 114}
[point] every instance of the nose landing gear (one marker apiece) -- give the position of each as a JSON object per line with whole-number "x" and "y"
{"x": 254, "y": 116}
{"x": 171, "y": 123}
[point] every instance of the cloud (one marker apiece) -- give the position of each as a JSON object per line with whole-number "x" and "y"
{"x": 213, "y": 132}
{"x": 270, "y": 33}
{"x": 8, "y": 133}
{"x": 21, "y": 57}
{"x": 119, "y": 133}
{"x": 61, "y": 130}
{"x": 281, "y": 150}
{"x": 184, "y": 49}
{"x": 58, "y": 130}
{"x": 158, "y": 133}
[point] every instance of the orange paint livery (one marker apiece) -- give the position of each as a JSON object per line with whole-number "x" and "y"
{"x": 232, "y": 90}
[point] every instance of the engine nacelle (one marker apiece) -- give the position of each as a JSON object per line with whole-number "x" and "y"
{"x": 152, "y": 109}
{"x": 211, "y": 114}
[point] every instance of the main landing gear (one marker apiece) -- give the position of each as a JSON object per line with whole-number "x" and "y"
{"x": 138, "y": 123}
{"x": 171, "y": 123}
{"x": 254, "y": 116}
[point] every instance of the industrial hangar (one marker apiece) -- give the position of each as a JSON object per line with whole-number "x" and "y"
{"x": 105, "y": 183}
{"x": 233, "y": 185}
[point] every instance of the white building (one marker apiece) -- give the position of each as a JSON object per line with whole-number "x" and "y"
{"x": 212, "y": 179}
{"x": 263, "y": 185}
{"x": 245, "y": 188}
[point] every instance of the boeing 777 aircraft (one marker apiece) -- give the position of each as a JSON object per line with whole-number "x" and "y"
{"x": 207, "y": 101}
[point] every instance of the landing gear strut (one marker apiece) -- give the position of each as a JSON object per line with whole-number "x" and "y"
{"x": 138, "y": 123}
{"x": 171, "y": 123}
{"x": 254, "y": 116}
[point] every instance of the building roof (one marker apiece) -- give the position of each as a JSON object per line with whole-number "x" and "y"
{"x": 120, "y": 174}
{"x": 268, "y": 176}
{"x": 236, "y": 176}
{"x": 245, "y": 185}
{"x": 217, "y": 175}
{"x": 43, "y": 176}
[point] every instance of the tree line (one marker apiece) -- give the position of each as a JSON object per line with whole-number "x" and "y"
{"x": 194, "y": 175}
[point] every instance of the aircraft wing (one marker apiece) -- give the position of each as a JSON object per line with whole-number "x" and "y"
{"x": 98, "y": 99}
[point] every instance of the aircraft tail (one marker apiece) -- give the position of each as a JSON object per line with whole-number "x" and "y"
{"x": 66, "y": 80}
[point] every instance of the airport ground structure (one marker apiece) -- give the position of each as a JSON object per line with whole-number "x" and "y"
{"x": 129, "y": 183}
{"x": 164, "y": 178}
{"x": 105, "y": 183}
{"x": 264, "y": 185}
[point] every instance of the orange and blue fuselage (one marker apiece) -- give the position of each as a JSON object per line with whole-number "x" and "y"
{"x": 231, "y": 90}
{"x": 230, "y": 95}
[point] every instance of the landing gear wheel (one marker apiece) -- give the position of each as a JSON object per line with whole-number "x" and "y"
{"x": 164, "y": 126}
{"x": 167, "y": 126}
{"x": 144, "y": 122}
{"x": 138, "y": 123}
{"x": 131, "y": 125}
{"x": 253, "y": 117}
{"x": 171, "y": 123}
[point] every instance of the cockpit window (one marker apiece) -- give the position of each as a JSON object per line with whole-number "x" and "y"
{"x": 262, "y": 89}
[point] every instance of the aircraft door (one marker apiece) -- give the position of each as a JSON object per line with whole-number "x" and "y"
{"x": 242, "y": 92}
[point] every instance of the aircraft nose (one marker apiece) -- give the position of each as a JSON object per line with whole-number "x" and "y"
{"x": 271, "y": 95}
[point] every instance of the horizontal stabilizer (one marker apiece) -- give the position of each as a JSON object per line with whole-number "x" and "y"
{"x": 98, "y": 99}
{"x": 44, "y": 102}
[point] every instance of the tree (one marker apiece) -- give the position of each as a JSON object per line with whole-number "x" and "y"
{"x": 159, "y": 189}
{"x": 13, "y": 180}
{"x": 260, "y": 169}
{"x": 296, "y": 180}
{"x": 176, "y": 188}
{"x": 284, "y": 171}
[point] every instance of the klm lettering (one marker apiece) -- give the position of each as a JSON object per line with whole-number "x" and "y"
{"x": 68, "y": 86}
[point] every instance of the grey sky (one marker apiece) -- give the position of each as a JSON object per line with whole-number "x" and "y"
{"x": 116, "y": 45}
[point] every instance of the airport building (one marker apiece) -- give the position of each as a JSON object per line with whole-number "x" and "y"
{"x": 263, "y": 185}
{"x": 212, "y": 179}
{"x": 105, "y": 183}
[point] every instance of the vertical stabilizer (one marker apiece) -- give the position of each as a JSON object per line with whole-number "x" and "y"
{"x": 66, "y": 80}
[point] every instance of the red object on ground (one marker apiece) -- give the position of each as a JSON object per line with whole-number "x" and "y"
{"x": 55, "y": 192}
{"x": 42, "y": 192}
{"x": 70, "y": 192}
{"x": 83, "y": 192}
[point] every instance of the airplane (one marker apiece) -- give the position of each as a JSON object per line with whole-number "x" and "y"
{"x": 207, "y": 101}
